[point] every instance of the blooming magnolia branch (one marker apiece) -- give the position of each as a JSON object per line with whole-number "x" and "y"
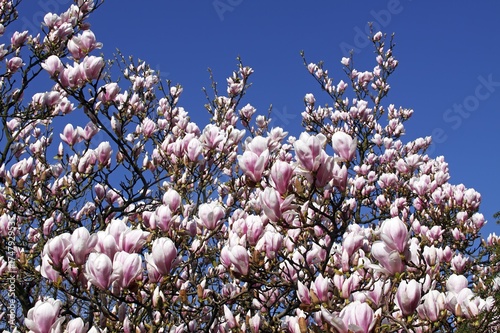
{"x": 138, "y": 220}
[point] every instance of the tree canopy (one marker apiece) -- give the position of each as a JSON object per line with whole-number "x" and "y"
{"x": 120, "y": 214}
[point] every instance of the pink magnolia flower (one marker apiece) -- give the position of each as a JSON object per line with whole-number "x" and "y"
{"x": 431, "y": 256}
{"x": 103, "y": 153}
{"x": 389, "y": 259}
{"x": 57, "y": 248}
{"x": 459, "y": 263}
{"x": 230, "y": 320}
{"x": 395, "y": 235}
{"x": 163, "y": 254}
{"x": 255, "y": 323}
{"x": 212, "y": 136}
{"x": 235, "y": 257}
{"x": 359, "y": 317}
{"x": 210, "y": 215}
{"x": 127, "y": 267}
{"x": 77, "y": 325}
{"x": 377, "y": 36}
{"x": 345, "y": 61}
{"x": 194, "y": 149}
{"x": 106, "y": 244}
{"x": 340, "y": 177}
{"x": 255, "y": 158}
{"x": 271, "y": 203}
{"x": 271, "y": 242}
{"x": 432, "y": 304}
{"x": 132, "y": 240}
{"x": 49, "y": 98}
{"x": 148, "y": 127}
{"x": 14, "y": 64}
{"x": 53, "y": 65}
{"x": 89, "y": 131}
{"x": 344, "y": 145}
{"x": 47, "y": 270}
{"x": 308, "y": 150}
{"x": 5, "y": 220}
{"x": 71, "y": 135}
{"x": 456, "y": 283}
{"x": 82, "y": 243}
{"x": 379, "y": 291}
{"x": 320, "y": 287}
{"x": 355, "y": 317}
{"x": 281, "y": 173}
{"x": 82, "y": 44}
{"x": 303, "y": 293}
{"x": 22, "y": 168}
{"x": 172, "y": 199}
{"x": 18, "y": 39}
{"x": 408, "y": 296}
{"x": 351, "y": 243}
{"x": 72, "y": 76}
{"x": 86, "y": 162}
{"x": 99, "y": 270}
{"x": 325, "y": 170}
{"x": 91, "y": 67}
{"x": 43, "y": 317}
{"x": 255, "y": 229}
{"x": 163, "y": 218}
{"x": 108, "y": 92}
{"x": 100, "y": 191}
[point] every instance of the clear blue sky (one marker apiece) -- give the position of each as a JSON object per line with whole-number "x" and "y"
{"x": 449, "y": 54}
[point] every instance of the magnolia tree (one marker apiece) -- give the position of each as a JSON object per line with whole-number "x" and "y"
{"x": 120, "y": 214}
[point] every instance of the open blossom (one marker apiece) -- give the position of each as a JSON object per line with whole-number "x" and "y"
{"x": 394, "y": 233}
{"x": 281, "y": 173}
{"x": 14, "y": 64}
{"x": 431, "y": 306}
{"x": 77, "y": 325}
{"x": 210, "y": 215}
{"x": 83, "y": 44}
{"x": 236, "y": 257}
{"x": 53, "y": 65}
{"x": 344, "y": 145}
{"x": 408, "y": 296}
{"x": 44, "y": 316}
{"x": 162, "y": 255}
{"x": 57, "y": 248}
{"x": 253, "y": 165}
{"x": 108, "y": 92}
{"x": 355, "y": 317}
{"x": 72, "y": 76}
{"x": 103, "y": 153}
{"x": 308, "y": 150}
{"x": 389, "y": 259}
{"x": 127, "y": 267}
{"x": 82, "y": 243}
{"x": 148, "y": 127}
{"x": 255, "y": 158}
{"x": 99, "y": 270}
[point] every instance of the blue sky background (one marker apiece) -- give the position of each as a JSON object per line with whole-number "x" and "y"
{"x": 448, "y": 52}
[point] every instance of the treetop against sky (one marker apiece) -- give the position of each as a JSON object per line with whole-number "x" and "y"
{"x": 133, "y": 203}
